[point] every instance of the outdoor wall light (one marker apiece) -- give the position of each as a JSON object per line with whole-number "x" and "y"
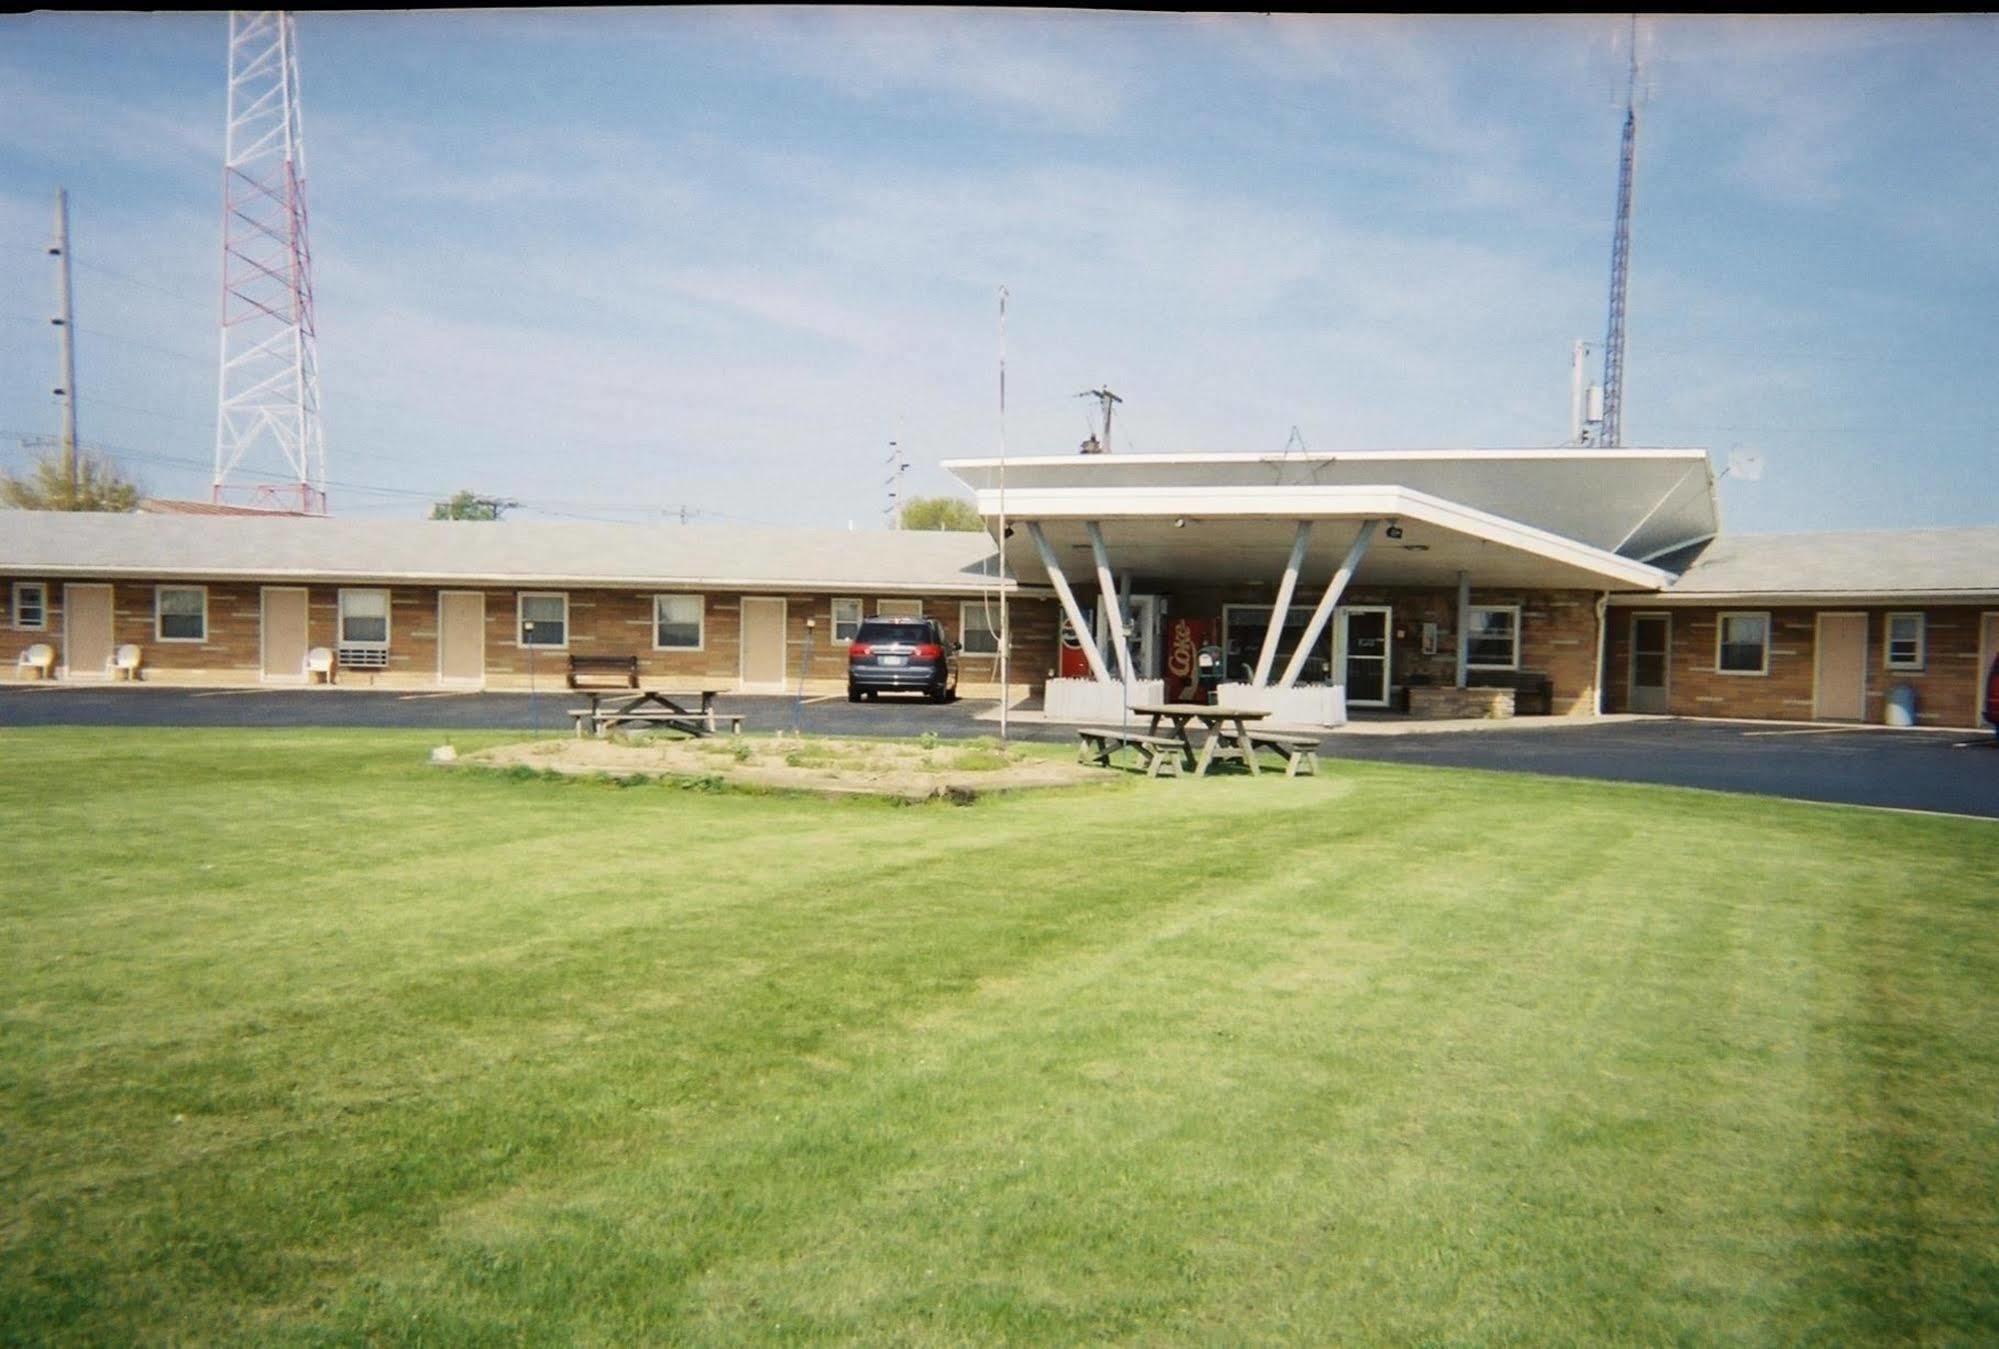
{"x": 1394, "y": 531}
{"x": 1180, "y": 523}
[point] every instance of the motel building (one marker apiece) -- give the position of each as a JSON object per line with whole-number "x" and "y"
{"x": 1426, "y": 584}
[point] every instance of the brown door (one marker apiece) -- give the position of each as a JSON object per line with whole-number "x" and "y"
{"x": 1841, "y": 680}
{"x": 1988, "y": 651}
{"x": 86, "y": 630}
{"x": 1651, "y": 643}
{"x": 461, "y": 637}
{"x": 284, "y": 625}
{"x": 763, "y": 642}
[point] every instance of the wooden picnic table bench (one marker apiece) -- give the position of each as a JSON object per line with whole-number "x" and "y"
{"x": 668, "y": 709}
{"x": 1159, "y": 753}
{"x": 614, "y": 672}
{"x": 1300, "y": 751}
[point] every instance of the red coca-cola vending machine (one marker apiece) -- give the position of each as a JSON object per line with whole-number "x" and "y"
{"x": 1071, "y": 663}
{"x": 1188, "y": 679}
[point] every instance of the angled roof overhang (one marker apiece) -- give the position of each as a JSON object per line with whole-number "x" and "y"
{"x": 1235, "y": 535}
{"x": 1638, "y": 503}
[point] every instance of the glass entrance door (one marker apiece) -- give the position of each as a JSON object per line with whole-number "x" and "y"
{"x": 1362, "y": 643}
{"x": 1651, "y": 641}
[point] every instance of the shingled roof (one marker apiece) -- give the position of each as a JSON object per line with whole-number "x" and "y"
{"x": 1888, "y": 563}
{"x": 59, "y": 543}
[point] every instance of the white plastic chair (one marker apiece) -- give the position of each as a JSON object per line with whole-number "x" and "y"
{"x": 125, "y": 662}
{"x": 41, "y": 658}
{"x": 319, "y": 663}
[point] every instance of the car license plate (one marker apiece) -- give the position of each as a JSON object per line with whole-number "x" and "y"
{"x": 895, "y": 660}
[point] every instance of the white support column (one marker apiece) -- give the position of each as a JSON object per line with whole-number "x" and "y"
{"x": 1327, "y": 602}
{"x": 1107, "y": 588}
{"x": 1464, "y": 625}
{"x": 1084, "y": 637}
{"x": 1281, "y": 608}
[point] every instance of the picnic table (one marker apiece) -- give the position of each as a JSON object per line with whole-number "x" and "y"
{"x": 671, "y": 709}
{"x": 1216, "y": 721}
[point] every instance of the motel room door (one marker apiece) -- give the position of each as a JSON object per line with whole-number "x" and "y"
{"x": 461, "y": 637}
{"x": 1839, "y": 684}
{"x": 763, "y": 642}
{"x": 1988, "y": 649}
{"x": 1361, "y": 644}
{"x": 1651, "y": 643}
{"x": 86, "y": 630}
{"x": 284, "y": 629}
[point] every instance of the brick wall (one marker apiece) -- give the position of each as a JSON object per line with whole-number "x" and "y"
{"x": 1946, "y": 687}
{"x": 601, "y": 622}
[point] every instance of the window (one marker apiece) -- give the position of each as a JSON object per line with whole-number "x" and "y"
{"x": 544, "y": 619}
{"x": 676, "y": 622}
{"x": 364, "y": 619}
{"x": 846, "y": 619}
{"x": 978, "y": 628}
{"x": 899, "y": 608}
{"x": 31, "y": 605}
{"x": 1905, "y": 641}
{"x": 1742, "y": 644}
{"x": 1492, "y": 637}
{"x": 180, "y": 613}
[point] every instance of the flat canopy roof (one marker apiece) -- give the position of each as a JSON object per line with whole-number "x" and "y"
{"x": 1633, "y": 503}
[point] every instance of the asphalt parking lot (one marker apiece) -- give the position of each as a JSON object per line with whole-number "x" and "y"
{"x": 1952, "y": 772}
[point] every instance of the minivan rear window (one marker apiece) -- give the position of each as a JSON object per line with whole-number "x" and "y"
{"x": 874, "y": 630}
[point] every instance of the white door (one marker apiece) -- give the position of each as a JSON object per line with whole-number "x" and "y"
{"x": 284, "y": 634}
{"x": 461, "y": 637}
{"x": 1360, "y": 648}
{"x": 86, "y": 630}
{"x": 1651, "y": 648}
{"x": 763, "y": 642}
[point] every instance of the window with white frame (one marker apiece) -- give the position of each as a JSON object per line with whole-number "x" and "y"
{"x": 1742, "y": 644}
{"x": 978, "y": 628}
{"x": 846, "y": 619}
{"x": 1905, "y": 641}
{"x": 364, "y": 619}
{"x": 1492, "y": 637}
{"x": 543, "y": 619}
{"x": 180, "y": 613}
{"x": 676, "y": 622}
{"x": 31, "y": 605}
{"x": 898, "y": 608}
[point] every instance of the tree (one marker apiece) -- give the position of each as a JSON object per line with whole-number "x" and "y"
{"x": 941, "y": 513}
{"x": 471, "y": 506}
{"x": 98, "y": 487}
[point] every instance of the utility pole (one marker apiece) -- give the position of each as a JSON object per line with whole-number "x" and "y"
{"x": 1585, "y": 399}
{"x": 1107, "y": 400}
{"x": 1005, "y": 634}
{"x": 65, "y": 339}
{"x": 1620, "y": 260}
{"x": 897, "y": 467}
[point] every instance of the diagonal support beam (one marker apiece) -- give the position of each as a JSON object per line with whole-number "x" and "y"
{"x": 1281, "y": 609}
{"x": 1084, "y": 637}
{"x": 1108, "y": 589}
{"x": 1327, "y": 602}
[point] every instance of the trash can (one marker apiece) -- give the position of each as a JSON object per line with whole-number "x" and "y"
{"x": 1901, "y": 706}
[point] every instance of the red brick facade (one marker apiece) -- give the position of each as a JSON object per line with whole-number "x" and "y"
{"x": 1946, "y": 686}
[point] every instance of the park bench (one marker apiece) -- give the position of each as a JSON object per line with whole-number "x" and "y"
{"x": 1300, "y": 752}
{"x": 603, "y": 672}
{"x": 1159, "y": 753}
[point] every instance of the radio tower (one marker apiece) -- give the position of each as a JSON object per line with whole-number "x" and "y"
{"x": 267, "y": 398}
{"x": 1612, "y": 434}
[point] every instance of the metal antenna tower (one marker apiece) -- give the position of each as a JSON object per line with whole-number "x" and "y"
{"x": 267, "y": 391}
{"x": 1620, "y": 262}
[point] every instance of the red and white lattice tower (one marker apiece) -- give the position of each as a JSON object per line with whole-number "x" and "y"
{"x": 267, "y": 418}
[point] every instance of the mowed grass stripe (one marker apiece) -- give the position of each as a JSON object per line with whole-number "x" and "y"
{"x": 1398, "y": 1054}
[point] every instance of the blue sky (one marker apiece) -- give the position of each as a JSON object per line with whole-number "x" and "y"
{"x": 616, "y": 263}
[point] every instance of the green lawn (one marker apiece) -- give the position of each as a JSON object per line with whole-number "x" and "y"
{"x": 302, "y": 1040}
